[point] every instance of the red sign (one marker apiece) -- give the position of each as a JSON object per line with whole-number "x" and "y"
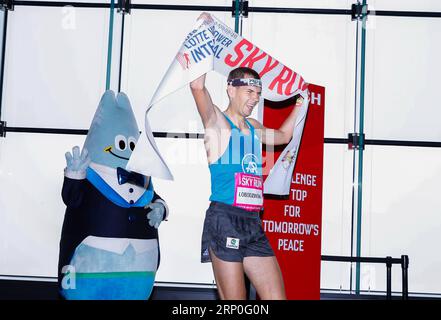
{"x": 293, "y": 225}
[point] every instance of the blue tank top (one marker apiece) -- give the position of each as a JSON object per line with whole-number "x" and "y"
{"x": 242, "y": 155}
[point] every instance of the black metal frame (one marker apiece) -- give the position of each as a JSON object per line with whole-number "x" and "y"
{"x": 2, "y": 70}
{"x": 242, "y": 7}
{"x": 2, "y": 129}
{"x": 350, "y": 141}
{"x": 403, "y": 261}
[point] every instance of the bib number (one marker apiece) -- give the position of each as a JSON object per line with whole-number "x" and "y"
{"x": 248, "y": 191}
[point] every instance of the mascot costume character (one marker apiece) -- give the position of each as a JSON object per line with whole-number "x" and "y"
{"x": 109, "y": 245}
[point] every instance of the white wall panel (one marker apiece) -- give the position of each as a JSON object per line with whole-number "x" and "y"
{"x": 401, "y": 213}
{"x": 55, "y": 66}
{"x": 405, "y": 5}
{"x": 31, "y": 208}
{"x": 336, "y": 216}
{"x": 402, "y": 79}
{"x": 187, "y": 197}
{"x": 316, "y": 4}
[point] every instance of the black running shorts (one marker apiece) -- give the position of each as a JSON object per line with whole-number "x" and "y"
{"x": 232, "y": 234}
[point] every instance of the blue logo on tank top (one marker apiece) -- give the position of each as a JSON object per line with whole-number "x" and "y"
{"x": 249, "y": 164}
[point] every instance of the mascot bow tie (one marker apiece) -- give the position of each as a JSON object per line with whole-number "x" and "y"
{"x": 125, "y": 176}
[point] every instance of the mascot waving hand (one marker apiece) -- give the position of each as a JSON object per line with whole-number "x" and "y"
{"x": 109, "y": 242}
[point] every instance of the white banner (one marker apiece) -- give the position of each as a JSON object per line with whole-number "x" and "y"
{"x": 211, "y": 45}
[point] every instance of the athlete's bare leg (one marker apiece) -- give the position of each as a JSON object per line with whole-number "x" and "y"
{"x": 265, "y": 275}
{"x": 229, "y": 277}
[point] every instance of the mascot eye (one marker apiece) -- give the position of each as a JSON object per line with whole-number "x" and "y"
{"x": 120, "y": 142}
{"x": 132, "y": 143}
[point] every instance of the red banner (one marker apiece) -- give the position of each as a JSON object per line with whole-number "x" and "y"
{"x": 293, "y": 225}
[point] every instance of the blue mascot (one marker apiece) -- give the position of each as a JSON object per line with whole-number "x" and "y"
{"x": 109, "y": 242}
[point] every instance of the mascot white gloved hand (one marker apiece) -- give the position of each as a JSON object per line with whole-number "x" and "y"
{"x": 109, "y": 243}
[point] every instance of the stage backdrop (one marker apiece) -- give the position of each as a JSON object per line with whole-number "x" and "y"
{"x": 293, "y": 224}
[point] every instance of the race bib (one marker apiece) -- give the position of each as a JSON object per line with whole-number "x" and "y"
{"x": 248, "y": 191}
